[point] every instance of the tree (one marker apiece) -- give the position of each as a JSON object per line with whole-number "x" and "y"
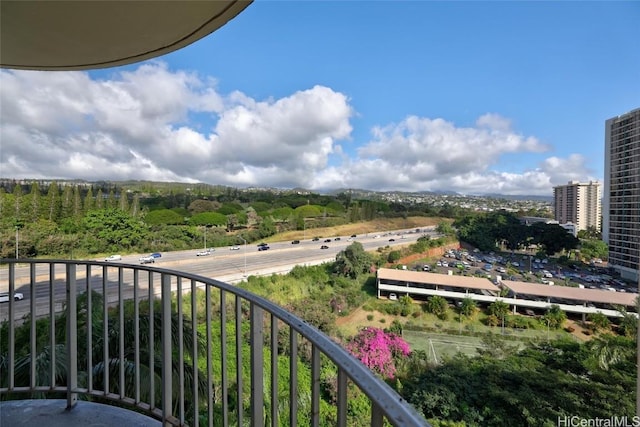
{"x": 553, "y": 238}
{"x": 163, "y": 216}
{"x": 201, "y": 206}
{"x": 437, "y": 305}
{"x": 113, "y": 228}
{"x": 609, "y": 350}
{"x": 406, "y": 306}
{"x": 394, "y": 256}
{"x": 499, "y": 308}
{"x": 378, "y": 350}
{"x": 590, "y": 249}
{"x": 555, "y": 317}
{"x": 591, "y": 233}
{"x": 445, "y": 228}
{"x": 89, "y": 203}
{"x": 32, "y": 210}
{"x": 53, "y": 202}
{"x": 266, "y": 228}
{"x": 353, "y": 261}
{"x": 628, "y": 326}
{"x": 209, "y": 218}
{"x": 467, "y": 307}
{"x": 599, "y": 321}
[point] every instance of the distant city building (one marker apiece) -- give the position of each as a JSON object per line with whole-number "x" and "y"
{"x": 578, "y": 203}
{"x": 571, "y": 228}
{"x": 621, "y": 225}
{"x": 528, "y": 220}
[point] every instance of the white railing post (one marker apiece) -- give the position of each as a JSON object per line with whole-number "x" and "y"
{"x": 257, "y": 366}
{"x": 72, "y": 337}
{"x": 167, "y": 378}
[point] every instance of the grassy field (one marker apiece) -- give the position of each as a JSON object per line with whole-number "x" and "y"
{"x": 439, "y": 346}
{"x": 358, "y": 228}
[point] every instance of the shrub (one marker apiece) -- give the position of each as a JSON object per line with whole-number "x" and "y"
{"x": 369, "y": 317}
{"x": 378, "y": 350}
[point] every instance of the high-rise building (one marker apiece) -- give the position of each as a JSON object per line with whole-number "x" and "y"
{"x": 621, "y": 222}
{"x": 579, "y": 203}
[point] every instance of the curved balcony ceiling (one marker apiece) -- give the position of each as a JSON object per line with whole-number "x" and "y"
{"x": 80, "y": 35}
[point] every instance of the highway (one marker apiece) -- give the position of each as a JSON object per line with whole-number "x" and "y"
{"x": 223, "y": 263}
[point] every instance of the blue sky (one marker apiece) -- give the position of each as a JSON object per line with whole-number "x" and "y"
{"x": 475, "y": 97}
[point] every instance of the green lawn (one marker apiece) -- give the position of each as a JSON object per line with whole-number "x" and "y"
{"x": 439, "y": 346}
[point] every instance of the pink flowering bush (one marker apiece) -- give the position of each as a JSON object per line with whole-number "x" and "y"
{"x": 378, "y": 350}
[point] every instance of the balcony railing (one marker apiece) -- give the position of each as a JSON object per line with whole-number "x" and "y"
{"x": 172, "y": 345}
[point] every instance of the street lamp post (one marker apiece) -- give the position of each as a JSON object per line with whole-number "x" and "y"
{"x": 244, "y": 273}
{"x": 17, "y": 242}
{"x": 547, "y": 330}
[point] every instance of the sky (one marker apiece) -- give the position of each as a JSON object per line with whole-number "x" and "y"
{"x": 474, "y": 97}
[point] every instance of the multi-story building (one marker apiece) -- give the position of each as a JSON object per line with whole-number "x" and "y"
{"x": 579, "y": 203}
{"x": 621, "y": 226}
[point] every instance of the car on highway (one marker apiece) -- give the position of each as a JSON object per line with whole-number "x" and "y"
{"x": 204, "y": 253}
{"x": 147, "y": 260}
{"x": 262, "y": 244}
{"x": 337, "y": 238}
{"x": 295, "y": 242}
{"x": 234, "y": 248}
{"x": 264, "y": 247}
{"x": 156, "y": 255}
{"x": 17, "y": 296}
{"x": 315, "y": 239}
{"x": 113, "y": 258}
{"x": 354, "y": 236}
{"x": 392, "y": 240}
{"x": 327, "y": 240}
{"x": 324, "y": 247}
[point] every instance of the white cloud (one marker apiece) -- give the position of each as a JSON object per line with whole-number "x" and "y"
{"x": 139, "y": 125}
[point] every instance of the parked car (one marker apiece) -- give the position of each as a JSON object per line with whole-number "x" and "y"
{"x": 113, "y": 258}
{"x": 393, "y": 297}
{"x": 147, "y": 260}
{"x": 17, "y": 296}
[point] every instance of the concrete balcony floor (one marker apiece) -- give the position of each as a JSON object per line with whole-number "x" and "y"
{"x": 53, "y": 413}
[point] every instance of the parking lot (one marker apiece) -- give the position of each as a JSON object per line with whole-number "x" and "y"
{"x": 526, "y": 268}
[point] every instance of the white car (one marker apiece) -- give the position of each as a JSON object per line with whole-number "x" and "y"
{"x": 113, "y": 258}
{"x": 203, "y": 253}
{"x": 234, "y": 248}
{"x": 147, "y": 260}
{"x": 17, "y": 296}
